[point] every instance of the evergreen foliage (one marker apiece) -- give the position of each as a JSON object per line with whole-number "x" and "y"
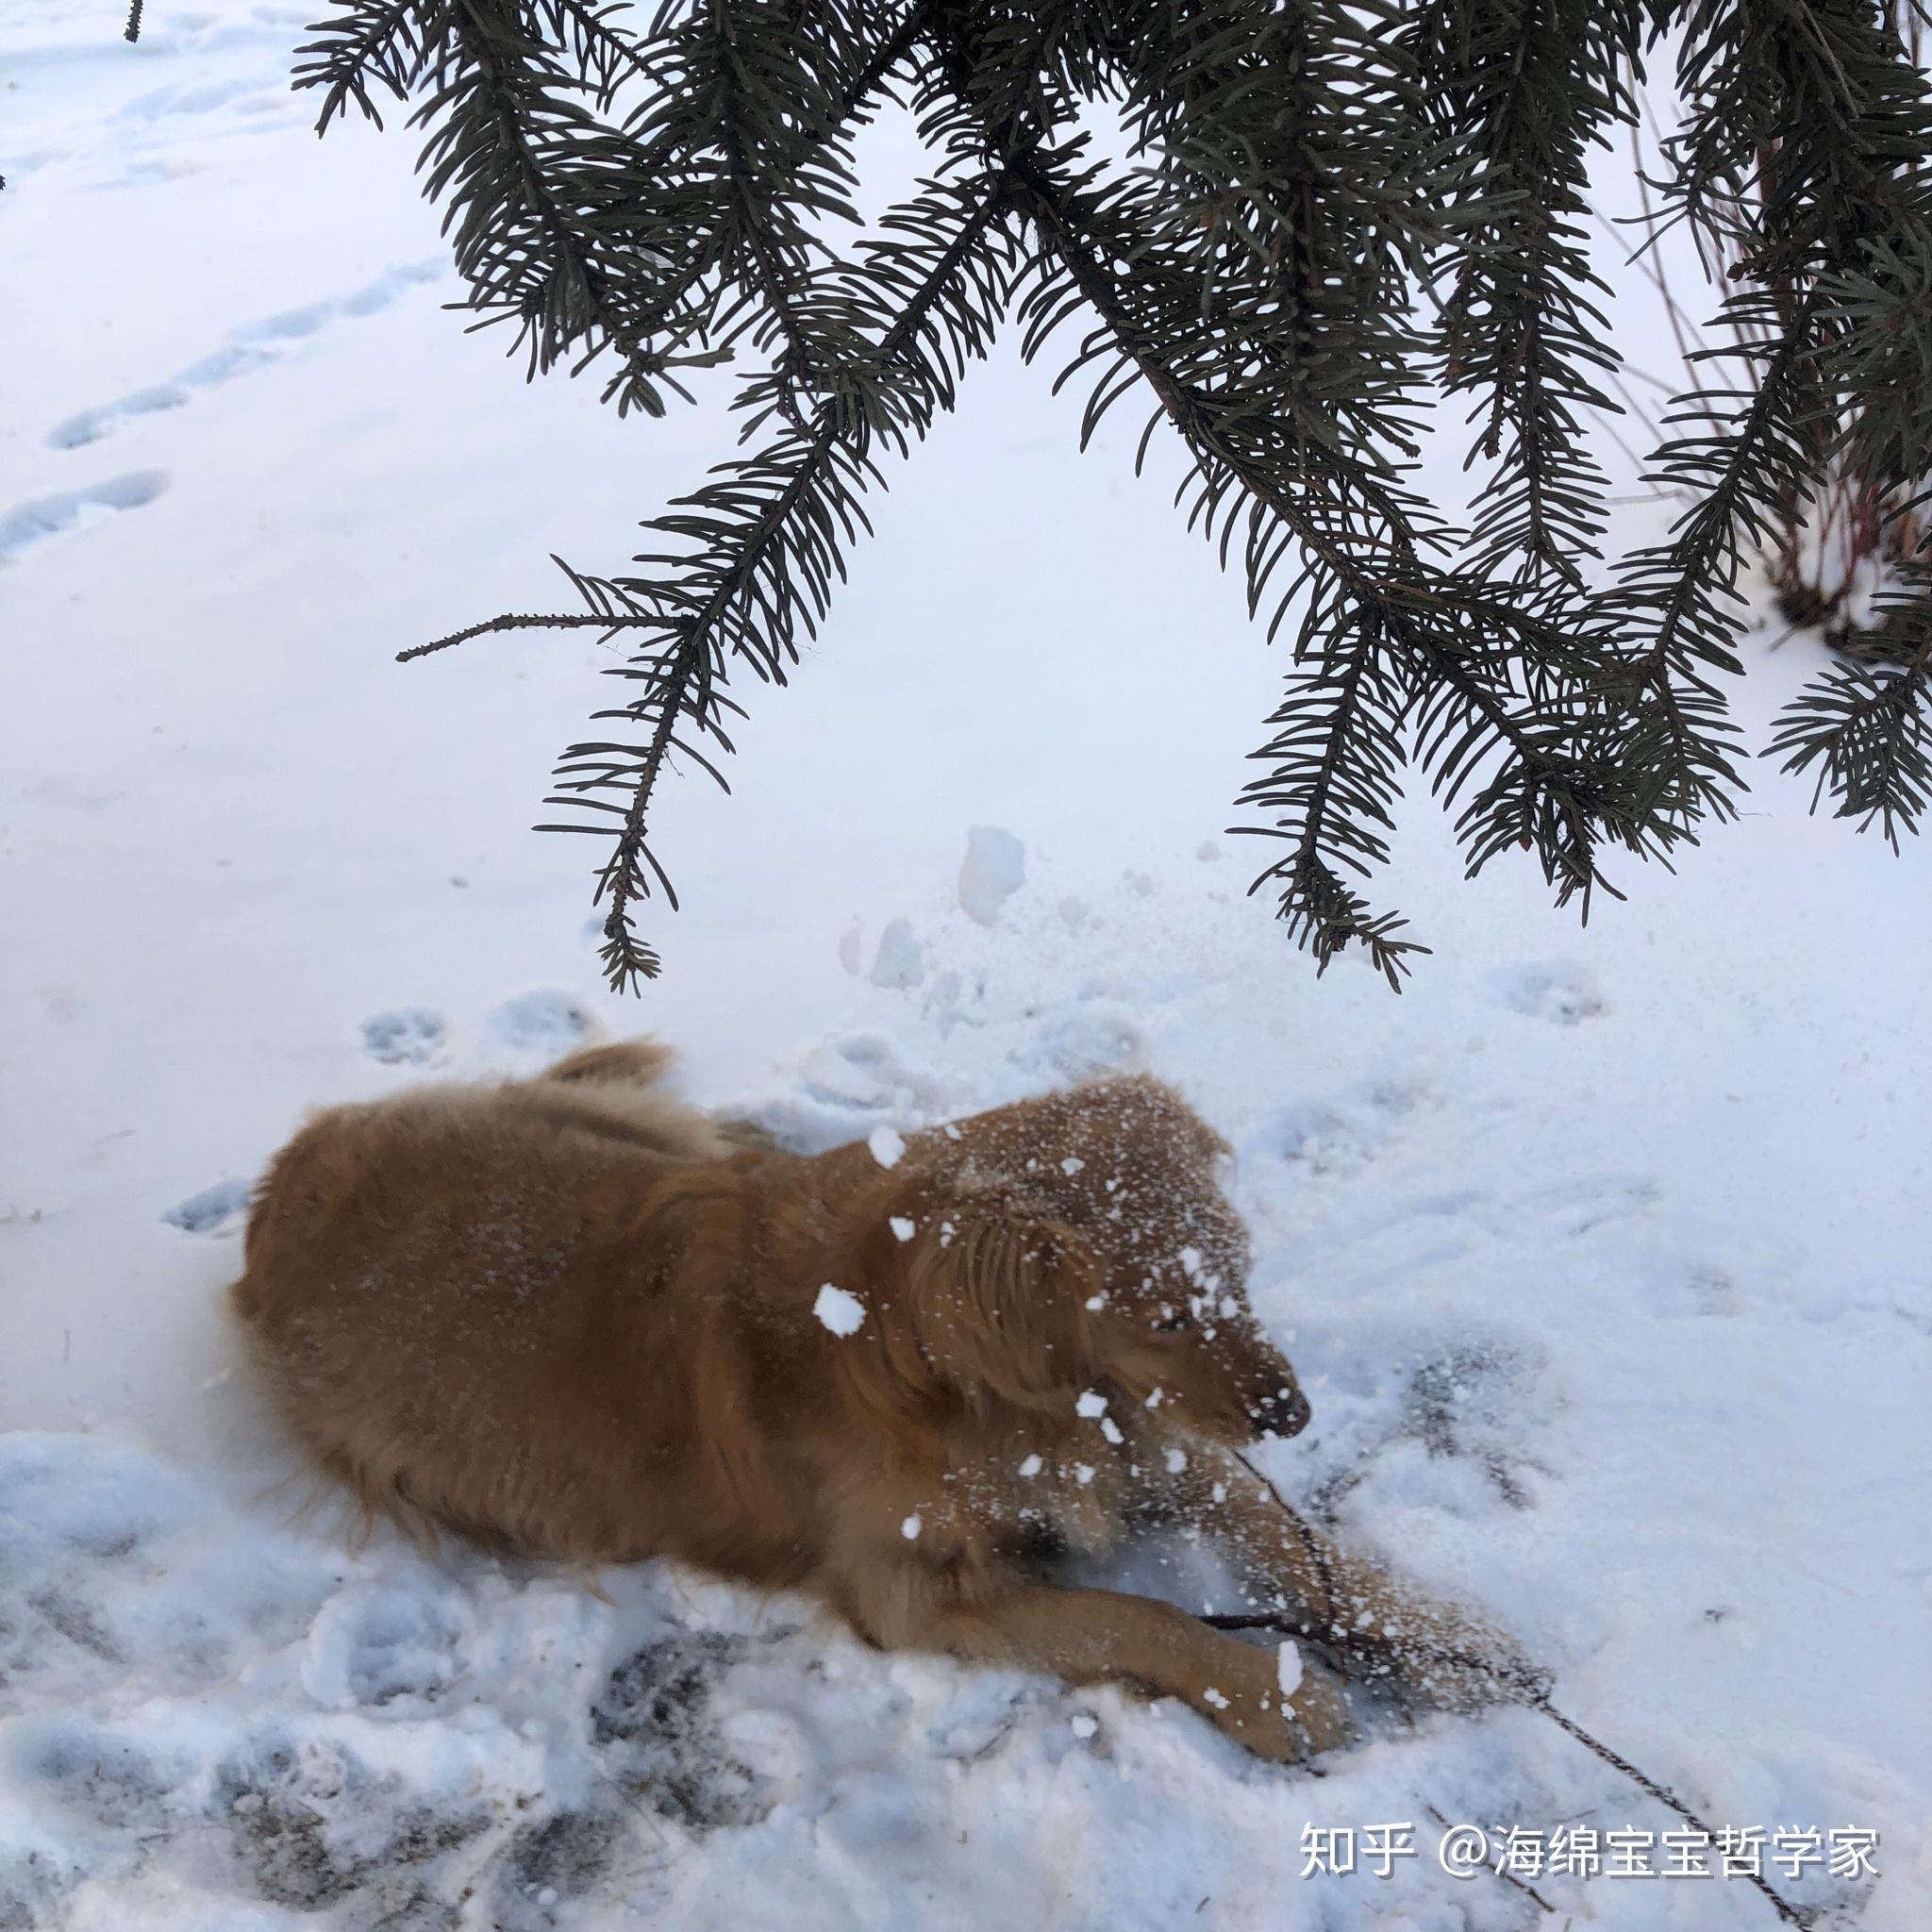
{"x": 1332, "y": 216}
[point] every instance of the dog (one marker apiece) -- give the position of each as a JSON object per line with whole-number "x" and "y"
{"x": 573, "y": 1317}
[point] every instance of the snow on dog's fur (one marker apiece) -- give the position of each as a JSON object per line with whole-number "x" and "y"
{"x": 566, "y": 1316}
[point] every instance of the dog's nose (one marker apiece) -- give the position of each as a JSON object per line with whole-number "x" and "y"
{"x": 1281, "y": 1412}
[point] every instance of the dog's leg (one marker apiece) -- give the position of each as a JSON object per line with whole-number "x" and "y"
{"x": 1091, "y": 1636}
{"x": 1448, "y": 1654}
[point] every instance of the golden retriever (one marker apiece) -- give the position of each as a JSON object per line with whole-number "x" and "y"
{"x": 566, "y": 1316}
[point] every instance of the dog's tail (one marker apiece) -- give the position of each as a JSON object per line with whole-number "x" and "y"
{"x": 623, "y": 1062}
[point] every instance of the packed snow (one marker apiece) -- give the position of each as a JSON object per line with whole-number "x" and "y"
{"x": 840, "y": 1310}
{"x": 901, "y": 961}
{"x": 1600, "y": 1254}
{"x": 992, "y": 871}
{"x": 1288, "y": 1667}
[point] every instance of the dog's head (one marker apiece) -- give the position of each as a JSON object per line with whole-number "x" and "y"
{"x": 1030, "y": 1278}
{"x": 1172, "y": 1329}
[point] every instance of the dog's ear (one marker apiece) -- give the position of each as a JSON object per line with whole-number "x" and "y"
{"x": 990, "y": 1289}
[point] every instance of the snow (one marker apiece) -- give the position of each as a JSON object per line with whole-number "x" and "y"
{"x": 1089, "y": 1402}
{"x": 909, "y": 1529}
{"x": 903, "y": 1228}
{"x": 1288, "y": 1667}
{"x": 1600, "y": 1254}
{"x": 840, "y": 1310}
{"x": 992, "y": 871}
{"x": 900, "y": 962}
{"x": 888, "y": 1146}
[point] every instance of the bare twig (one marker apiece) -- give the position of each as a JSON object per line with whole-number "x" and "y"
{"x": 559, "y": 621}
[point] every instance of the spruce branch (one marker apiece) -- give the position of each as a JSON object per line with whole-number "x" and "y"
{"x": 704, "y": 243}
{"x": 1680, "y": 597}
{"x": 1334, "y": 763}
{"x": 679, "y": 680}
{"x": 1868, "y": 730}
{"x": 1302, "y": 184}
{"x": 379, "y": 42}
{"x": 760, "y": 547}
{"x": 552, "y": 208}
{"x": 1516, "y": 94}
{"x": 780, "y": 252}
{"x": 528, "y": 169}
{"x": 1374, "y": 594}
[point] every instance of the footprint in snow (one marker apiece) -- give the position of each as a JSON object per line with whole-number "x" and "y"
{"x": 28, "y": 523}
{"x": 373, "y": 1644}
{"x": 847, "y": 1086}
{"x": 196, "y": 97}
{"x": 862, "y": 1072}
{"x": 1092, "y": 1040}
{"x": 292, "y": 324}
{"x": 91, "y": 424}
{"x": 252, "y": 346}
{"x": 218, "y": 1210}
{"x": 1578, "y": 1207}
{"x": 1564, "y": 995}
{"x": 545, "y": 1023}
{"x": 407, "y": 1037}
{"x": 1335, "y": 1139}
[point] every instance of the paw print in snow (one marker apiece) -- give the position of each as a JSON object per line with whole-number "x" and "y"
{"x": 546, "y": 1023}
{"x": 1564, "y": 995}
{"x": 217, "y": 1210}
{"x": 407, "y": 1037}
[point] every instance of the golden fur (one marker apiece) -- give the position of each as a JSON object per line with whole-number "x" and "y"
{"x": 566, "y": 1316}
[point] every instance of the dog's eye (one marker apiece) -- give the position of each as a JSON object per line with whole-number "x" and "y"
{"x": 1173, "y": 1320}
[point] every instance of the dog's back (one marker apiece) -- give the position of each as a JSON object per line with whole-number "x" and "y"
{"x": 450, "y": 1295}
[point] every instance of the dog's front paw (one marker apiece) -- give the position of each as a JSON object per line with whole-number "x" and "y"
{"x": 1456, "y": 1658}
{"x": 1284, "y": 1729}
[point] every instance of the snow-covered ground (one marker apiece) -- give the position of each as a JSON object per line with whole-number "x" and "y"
{"x": 1602, "y": 1254}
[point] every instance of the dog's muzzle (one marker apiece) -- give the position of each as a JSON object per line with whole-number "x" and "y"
{"x": 1285, "y": 1412}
